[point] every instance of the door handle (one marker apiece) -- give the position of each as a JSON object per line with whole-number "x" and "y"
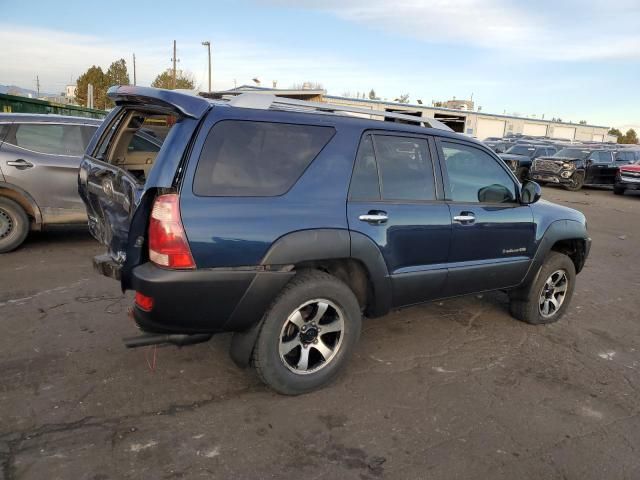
{"x": 465, "y": 218}
{"x": 19, "y": 164}
{"x": 374, "y": 217}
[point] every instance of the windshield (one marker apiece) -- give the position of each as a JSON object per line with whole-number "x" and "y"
{"x": 522, "y": 150}
{"x": 572, "y": 153}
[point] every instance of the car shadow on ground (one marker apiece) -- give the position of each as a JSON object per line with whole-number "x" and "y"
{"x": 56, "y": 236}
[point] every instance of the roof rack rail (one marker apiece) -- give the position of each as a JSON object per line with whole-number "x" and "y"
{"x": 265, "y": 101}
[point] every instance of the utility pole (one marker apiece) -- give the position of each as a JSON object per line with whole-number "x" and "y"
{"x": 90, "y": 96}
{"x": 208, "y": 45}
{"x": 134, "y": 69}
{"x": 173, "y": 74}
{"x": 38, "y": 85}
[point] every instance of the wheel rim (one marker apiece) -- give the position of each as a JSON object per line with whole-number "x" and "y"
{"x": 6, "y": 224}
{"x": 553, "y": 293}
{"x": 311, "y": 336}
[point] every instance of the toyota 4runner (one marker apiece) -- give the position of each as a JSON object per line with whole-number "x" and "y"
{"x": 286, "y": 221}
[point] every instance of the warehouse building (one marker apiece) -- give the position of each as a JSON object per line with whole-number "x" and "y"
{"x": 480, "y": 125}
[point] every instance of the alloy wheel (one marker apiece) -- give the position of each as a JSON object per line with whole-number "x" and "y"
{"x": 553, "y": 293}
{"x": 311, "y": 336}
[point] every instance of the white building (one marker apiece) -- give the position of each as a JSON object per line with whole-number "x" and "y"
{"x": 70, "y": 92}
{"x": 480, "y": 125}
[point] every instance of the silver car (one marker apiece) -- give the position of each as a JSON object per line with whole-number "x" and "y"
{"x": 39, "y": 160}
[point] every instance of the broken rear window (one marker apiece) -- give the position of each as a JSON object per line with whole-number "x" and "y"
{"x": 134, "y": 140}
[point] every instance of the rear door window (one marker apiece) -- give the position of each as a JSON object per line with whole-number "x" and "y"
{"x": 55, "y": 139}
{"x": 365, "y": 184}
{"x": 393, "y": 168}
{"x": 256, "y": 159}
{"x": 405, "y": 168}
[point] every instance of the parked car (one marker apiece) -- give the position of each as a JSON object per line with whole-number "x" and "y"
{"x": 628, "y": 178}
{"x": 575, "y": 167}
{"x": 627, "y": 156}
{"x": 39, "y": 160}
{"x": 520, "y": 156}
{"x": 285, "y": 226}
{"x": 498, "y": 146}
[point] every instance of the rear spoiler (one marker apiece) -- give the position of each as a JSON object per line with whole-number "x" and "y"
{"x": 183, "y": 104}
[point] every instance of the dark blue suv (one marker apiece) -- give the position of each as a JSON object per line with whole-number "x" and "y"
{"x": 286, "y": 221}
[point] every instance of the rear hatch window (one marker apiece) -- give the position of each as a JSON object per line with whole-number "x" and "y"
{"x": 134, "y": 140}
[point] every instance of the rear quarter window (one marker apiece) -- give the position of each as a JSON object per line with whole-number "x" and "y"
{"x": 256, "y": 159}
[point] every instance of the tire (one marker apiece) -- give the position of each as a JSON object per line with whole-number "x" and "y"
{"x": 282, "y": 343}
{"x": 577, "y": 182}
{"x": 618, "y": 190}
{"x": 526, "y": 304}
{"x": 14, "y": 225}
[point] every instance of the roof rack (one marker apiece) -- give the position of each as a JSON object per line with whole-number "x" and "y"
{"x": 265, "y": 101}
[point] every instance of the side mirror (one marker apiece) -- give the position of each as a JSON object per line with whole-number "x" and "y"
{"x": 530, "y": 192}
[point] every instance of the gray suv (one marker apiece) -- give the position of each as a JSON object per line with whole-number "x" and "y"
{"x": 39, "y": 160}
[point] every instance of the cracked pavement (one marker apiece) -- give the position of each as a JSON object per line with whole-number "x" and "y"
{"x": 454, "y": 389}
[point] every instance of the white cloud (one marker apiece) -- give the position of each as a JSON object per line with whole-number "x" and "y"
{"x": 539, "y": 29}
{"x": 58, "y": 58}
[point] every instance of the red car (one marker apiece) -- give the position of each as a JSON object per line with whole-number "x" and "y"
{"x": 628, "y": 178}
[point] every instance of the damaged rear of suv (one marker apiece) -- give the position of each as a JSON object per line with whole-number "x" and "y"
{"x": 285, "y": 222}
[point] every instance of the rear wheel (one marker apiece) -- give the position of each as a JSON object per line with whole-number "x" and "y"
{"x": 548, "y": 297}
{"x": 14, "y": 225}
{"x": 577, "y": 182}
{"x": 618, "y": 190}
{"x": 308, "y": 334}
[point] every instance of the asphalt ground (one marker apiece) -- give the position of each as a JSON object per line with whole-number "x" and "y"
{"x": 455, "y": 389}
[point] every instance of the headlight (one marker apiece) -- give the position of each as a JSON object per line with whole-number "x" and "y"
{"x": 568, "y": 165}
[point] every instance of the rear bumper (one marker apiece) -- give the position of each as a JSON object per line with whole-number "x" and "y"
{"x": 204, "y": 301}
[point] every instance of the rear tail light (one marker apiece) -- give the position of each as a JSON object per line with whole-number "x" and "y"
{"x": 168, "y": 245}
{"x": 143, "y": 302}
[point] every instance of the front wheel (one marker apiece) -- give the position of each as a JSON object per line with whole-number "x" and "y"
{"x": 577, "y": 182}
{"x": 548, "y": 297}
{"x": 308, "y": 333}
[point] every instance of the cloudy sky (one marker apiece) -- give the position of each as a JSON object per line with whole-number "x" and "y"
{"x": 574, "y": 59}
